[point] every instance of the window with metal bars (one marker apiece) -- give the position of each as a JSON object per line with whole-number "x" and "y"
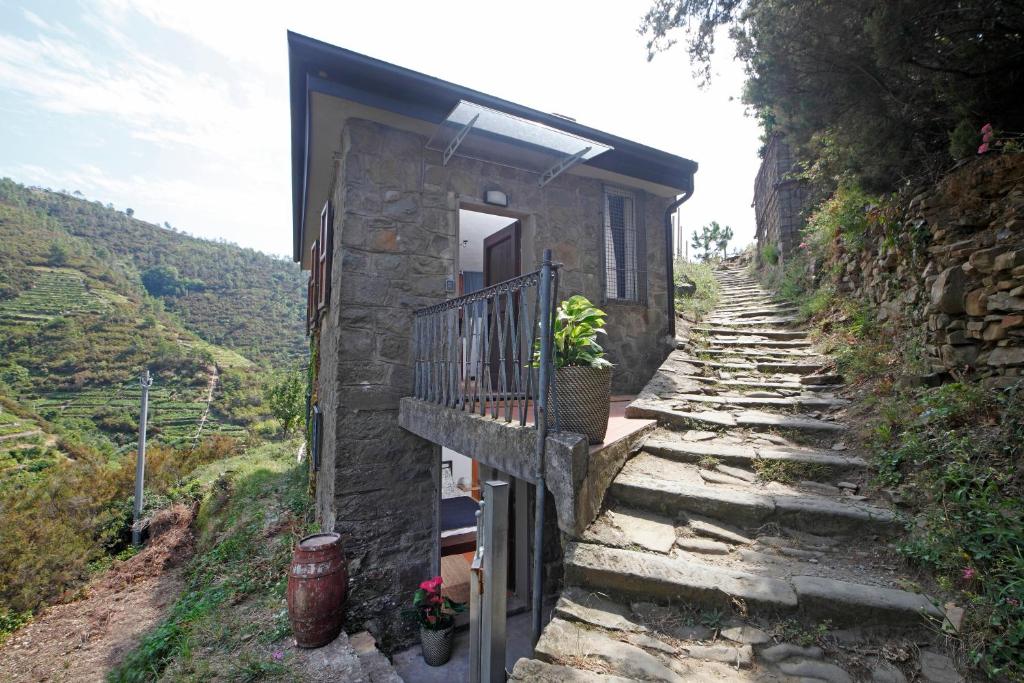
{"x": 624, "y": 261}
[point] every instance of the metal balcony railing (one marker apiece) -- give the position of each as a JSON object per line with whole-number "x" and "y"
{"x": 480, "y": 352}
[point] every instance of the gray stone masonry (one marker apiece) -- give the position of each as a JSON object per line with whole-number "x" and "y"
{"x": 395, "y": 245}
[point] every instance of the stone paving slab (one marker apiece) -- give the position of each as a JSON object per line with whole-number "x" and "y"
{"x": 629, "y": 572}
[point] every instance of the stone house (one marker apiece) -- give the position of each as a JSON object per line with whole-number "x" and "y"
{"x": 409, "y": 191}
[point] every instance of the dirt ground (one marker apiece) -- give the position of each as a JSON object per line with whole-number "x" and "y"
{"x": 83, "y": 640}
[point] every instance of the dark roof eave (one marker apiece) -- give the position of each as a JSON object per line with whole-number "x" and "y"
{"x": 371, "y": 81}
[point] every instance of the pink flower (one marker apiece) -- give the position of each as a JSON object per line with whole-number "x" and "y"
{"x": 969, "y": 573}
{"x": 432, "y": 585}
{"x": 1013, "y": 602}
{"x": 277, "y": 656}
{"x": 986, "y": 129}
{"x": 803, "y": 245}
{"x": 987, "y": 137}
{"x": 983, "y": 148}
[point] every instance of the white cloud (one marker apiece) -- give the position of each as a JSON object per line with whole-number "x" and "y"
{"x": 219, "y": 132}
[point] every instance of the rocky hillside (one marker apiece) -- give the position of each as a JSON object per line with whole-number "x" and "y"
{"x": 951, "y": 265}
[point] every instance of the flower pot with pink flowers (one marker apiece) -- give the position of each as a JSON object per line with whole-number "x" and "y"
{"x": 435, "y": 614}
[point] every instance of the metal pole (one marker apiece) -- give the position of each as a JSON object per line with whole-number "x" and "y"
{"x": 495, "y": 595}
{"x": 145, "y": 381}
{"x": 543, "y": 384}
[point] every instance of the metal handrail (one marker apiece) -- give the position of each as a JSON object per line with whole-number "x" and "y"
{"x": 480, "y": 352}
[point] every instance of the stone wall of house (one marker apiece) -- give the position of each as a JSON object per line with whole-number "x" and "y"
{"x": 953, "y": 272}
{"x": 395, "y": 246}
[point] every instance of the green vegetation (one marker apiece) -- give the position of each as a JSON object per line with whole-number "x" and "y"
{"x": 286, "y": 397}
{"x": 955, "y": 454}
{"x": 787, "y": 471}
{"x": 875, "y": 90}
{"x": 952, "y": 453}
{"x": 712, "y": 238}
{"x": 706, "y": 292}
{"x": 89, "y": 297}
{"x": 224, "y": 625}
{"x": 577, "y": 324}
{"x": 229, "y": 296}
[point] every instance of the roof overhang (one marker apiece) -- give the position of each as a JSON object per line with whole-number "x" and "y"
{"x": 318, "y": 67}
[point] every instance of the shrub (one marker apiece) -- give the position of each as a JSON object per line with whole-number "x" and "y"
{"x": 956, "y": 453}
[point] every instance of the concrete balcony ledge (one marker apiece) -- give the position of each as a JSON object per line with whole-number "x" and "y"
{"x": 576, "y": 474}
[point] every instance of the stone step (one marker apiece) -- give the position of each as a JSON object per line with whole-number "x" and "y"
{"x": 763, "y": 312}
{"x": 630, "y": 574}
{"x": 791, "y": 386}
{"x": 759, "y": 332}
{"x": 661, "y": 485}
{"x": 811, "y": 403}
{"x": 738, "y": 324}
{"x": 771, "y": 343}
{"x": 746, "y": 454}
{"x": 665, "y": 413}
{"x": 764, "y": 367}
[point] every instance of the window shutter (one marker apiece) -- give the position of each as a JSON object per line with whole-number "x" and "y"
{"x": 310, "y": 302}
{"x": 323, "y": 263}
{"x": 314, "y": 273}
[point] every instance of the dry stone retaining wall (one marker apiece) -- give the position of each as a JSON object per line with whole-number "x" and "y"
{"x": 953, "y": 271}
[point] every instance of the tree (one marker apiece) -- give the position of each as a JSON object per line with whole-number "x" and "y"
{"x": 712, "y": 237}
{"x": 286, "y": 397}
{"x": 870, "y": 89}
{"x": 167, "y": 281}
{"x": 130, "y": 212}
{"x": 58, "y": 255}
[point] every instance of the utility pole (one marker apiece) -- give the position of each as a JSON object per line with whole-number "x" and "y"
{"x": 145, "y": 381}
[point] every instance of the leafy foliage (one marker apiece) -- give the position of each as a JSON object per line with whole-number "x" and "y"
{"x": 706, "y": 294}
{"x": 577, "y": 324}
{"x": 956, "y": 454}
{"x": 712, "y": 237}
{"x": 230, "y": 296}
{"x": 872, "y": 89}
{"x": 253, "y": 508}
{"x": 286, "y": 398}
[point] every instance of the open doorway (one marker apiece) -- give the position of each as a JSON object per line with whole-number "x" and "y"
{"x": 490, "y": 249}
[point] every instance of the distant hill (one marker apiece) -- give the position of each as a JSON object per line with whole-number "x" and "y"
{"x": 89, "y": 296}
{"x": 231, "y": 296}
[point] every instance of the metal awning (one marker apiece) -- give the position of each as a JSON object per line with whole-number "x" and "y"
{"x": 476, "y": 132}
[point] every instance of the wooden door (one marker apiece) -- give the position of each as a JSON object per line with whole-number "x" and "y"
{"x": 501, "y": 262}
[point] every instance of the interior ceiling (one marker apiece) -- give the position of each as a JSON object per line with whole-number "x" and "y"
{"x": 474, "y": 227}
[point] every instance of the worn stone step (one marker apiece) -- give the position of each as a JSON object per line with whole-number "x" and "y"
{"x": 536, "y": 671}
{"x": 636, "y": 574}
{"x": 753, "y": 419}
{"x": 767, "y": 333}
{"x": 752, "y": 322}
{"x": 659, "y": 484}
{"x": 771, "y": 343}
{"x": 665, "y": 413}
{"x": 768, "y": 384}
{"x": 810, "y": 403}
{"x": 631, "y": 573}
{"x": 746, "y": 454}
{"x": 767, "y": 354}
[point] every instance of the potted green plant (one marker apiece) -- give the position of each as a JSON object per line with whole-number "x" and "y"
{"x": 583, "y": 375}
{"x": 435, "y": 614}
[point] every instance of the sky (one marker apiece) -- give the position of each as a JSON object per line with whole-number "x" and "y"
{"x": 179, "y": 109}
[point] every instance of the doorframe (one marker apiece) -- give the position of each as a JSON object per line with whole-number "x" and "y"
{"x": 525, "y": 229}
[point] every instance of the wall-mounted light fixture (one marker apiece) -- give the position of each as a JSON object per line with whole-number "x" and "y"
{"x": 496, "y": 197}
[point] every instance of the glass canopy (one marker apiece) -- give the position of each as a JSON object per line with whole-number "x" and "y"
{"x": 477, "y": 132}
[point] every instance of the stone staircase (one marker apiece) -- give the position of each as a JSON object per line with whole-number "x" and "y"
{"x": 739, "y": 544}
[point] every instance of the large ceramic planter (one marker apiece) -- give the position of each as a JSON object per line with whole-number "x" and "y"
{"x": 437, "y": 645}
{"x": 583, "y": 396}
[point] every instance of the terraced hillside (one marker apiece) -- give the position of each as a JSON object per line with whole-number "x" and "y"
{"x": 77, "y": 325}
{"x": 230, "y": 296}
